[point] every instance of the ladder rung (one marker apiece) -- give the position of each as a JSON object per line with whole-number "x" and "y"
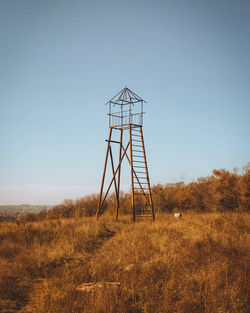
{"x": 135, "y": 135}
{"x": 138, "y": 161}
{"x": 141, "y": 189}
{"x": 143, "y": 205}
{"x": 139, "y": 166}
{"x": 140, "y": 183}
{"x": 136, "y": 146}
{"x": 138, "y": 156}
{"x": 137, "y": 151}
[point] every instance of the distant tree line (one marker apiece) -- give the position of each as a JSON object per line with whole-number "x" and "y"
{"x": 222, "y": 191}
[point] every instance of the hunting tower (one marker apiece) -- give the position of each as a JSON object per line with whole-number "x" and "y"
{"x": 126, "y": 118}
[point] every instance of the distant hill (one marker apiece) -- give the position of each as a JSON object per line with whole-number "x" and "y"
{"x": 23, "y": 208}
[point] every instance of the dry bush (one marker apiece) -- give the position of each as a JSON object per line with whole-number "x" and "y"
{"x": 197, "y": 264}
{"x": 83, "y": 207}
{"x": 50, "y": 250}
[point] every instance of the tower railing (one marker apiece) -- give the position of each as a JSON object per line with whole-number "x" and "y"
{"x": 121, "y": 120}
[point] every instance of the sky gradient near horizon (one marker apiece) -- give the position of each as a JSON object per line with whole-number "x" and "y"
{"x": 61, "y": 61}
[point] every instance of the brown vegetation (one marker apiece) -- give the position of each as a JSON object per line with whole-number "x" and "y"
{"x": 197, "y": 264}
{"x": 220, "y": 192}
{"x": 223, "y": 191}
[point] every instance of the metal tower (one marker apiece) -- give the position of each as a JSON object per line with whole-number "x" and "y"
{"x": 126, "y": 115}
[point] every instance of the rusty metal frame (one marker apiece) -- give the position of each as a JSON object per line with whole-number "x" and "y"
{"x": 140, "y": 185}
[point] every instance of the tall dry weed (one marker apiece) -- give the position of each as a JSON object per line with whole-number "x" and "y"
{"x": 197, "y": 264}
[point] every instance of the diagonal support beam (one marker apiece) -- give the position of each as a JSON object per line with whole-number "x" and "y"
{"x": 104, "y": 198}
{"x": 113, "y": 171}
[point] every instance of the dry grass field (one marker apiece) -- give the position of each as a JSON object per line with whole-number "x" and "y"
{"x": 197, "y": 264}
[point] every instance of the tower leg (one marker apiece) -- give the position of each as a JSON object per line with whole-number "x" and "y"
{"x": 103, "y": 176}
{"x": 119, "y": 176}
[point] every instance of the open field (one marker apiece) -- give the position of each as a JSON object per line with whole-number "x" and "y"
{"x": 197, "y": 264}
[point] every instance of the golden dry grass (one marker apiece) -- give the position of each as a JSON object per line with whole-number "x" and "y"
{"x": 197, "y": 264}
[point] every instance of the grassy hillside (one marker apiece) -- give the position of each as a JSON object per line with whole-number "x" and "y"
{"x": 197, "y": 264}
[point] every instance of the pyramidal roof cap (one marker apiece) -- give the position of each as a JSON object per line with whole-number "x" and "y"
{"x": 124, "y": 97}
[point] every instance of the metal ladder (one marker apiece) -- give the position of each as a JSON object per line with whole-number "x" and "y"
{"x": 142, "y": 203}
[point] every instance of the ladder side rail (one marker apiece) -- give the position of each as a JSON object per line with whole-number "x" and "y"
{"x": 141, "y": 188}
{"x": 131, "y": 170}
{"x": 146, "y": 167}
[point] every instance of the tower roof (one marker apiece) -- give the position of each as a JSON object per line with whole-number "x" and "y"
{"x": 124, "y": 97}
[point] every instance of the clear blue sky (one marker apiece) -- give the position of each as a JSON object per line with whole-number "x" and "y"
{"x": 60, "y": 61}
